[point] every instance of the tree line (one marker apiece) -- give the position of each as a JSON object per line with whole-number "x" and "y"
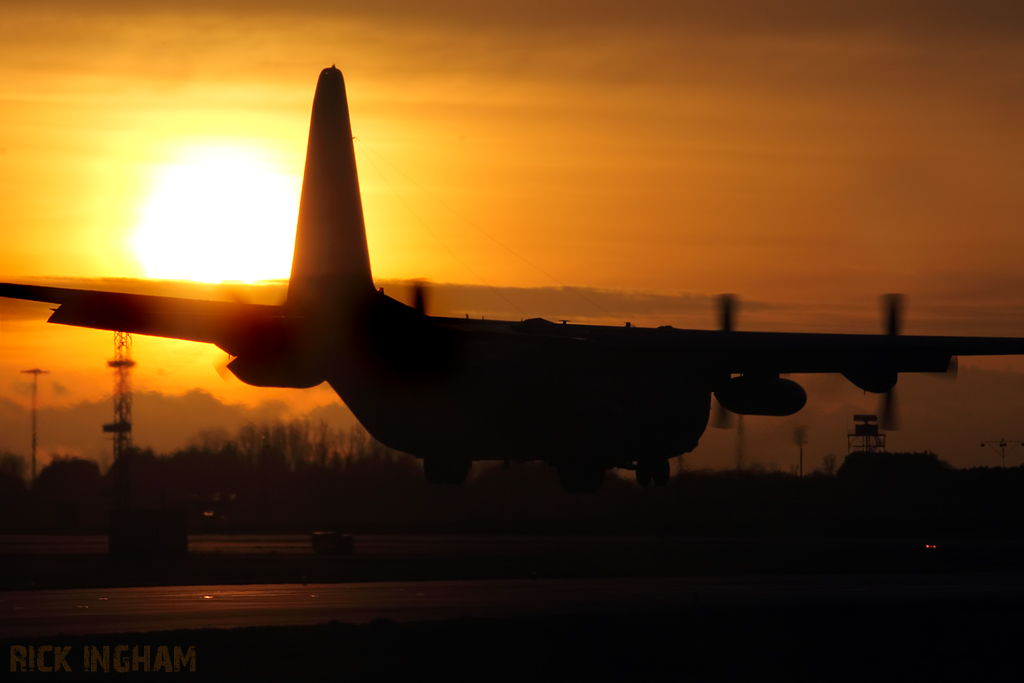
{"x": 300, "y": 476}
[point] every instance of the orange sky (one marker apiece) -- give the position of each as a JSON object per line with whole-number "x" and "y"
{"x": 807, "y": 157}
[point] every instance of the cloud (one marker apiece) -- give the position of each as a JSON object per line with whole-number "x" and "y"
{"x": 609, "y": 42}
{"x": 786, "y": 16}
{"x": 807, "y": 155}
{"x": 681, "y": 141}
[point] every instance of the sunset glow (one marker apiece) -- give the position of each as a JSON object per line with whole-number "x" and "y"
{"x": 807, "y": 158}
{"x": 220, "y": 213}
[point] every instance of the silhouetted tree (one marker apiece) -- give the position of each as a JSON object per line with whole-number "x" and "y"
{"x": 12, "y": 465}
{"x": 902, "y": 469}
{"x": 904, "y": 486}
{"x": 323, "y": 444}
{"x": 297, "y": 475}
{"x": 828, "y": 465}
{"x": 13, "y": 488}
{"x": 68, "y": 480}
{"x": 69, "y": 489}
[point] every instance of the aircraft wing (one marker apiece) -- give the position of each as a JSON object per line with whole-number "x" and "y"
{"x": 784, "y": 352}
{"x": 232, "y": 325}
{"x": 226, "y": 324}
{"x": 732, "y": 352}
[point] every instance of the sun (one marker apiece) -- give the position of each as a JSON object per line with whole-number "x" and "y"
{"x": 218, "y": 213}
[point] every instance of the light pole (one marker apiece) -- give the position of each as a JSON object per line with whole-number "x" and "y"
{"x": 800, "y": 438}
{"x": 1002, "y": 447}
{"x": 35, "y": 372}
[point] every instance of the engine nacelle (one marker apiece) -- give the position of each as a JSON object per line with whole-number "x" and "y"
{"x": 748, "y": 395}
{"x": 269, "y": 371}
{"x": 877, "y": 381}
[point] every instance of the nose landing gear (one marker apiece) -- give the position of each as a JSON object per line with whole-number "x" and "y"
{"x": 446, "y": 470}
{"x": 581, "y": 477}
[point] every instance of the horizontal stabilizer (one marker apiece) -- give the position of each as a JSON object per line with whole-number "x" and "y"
{"x": 229, "y": 325}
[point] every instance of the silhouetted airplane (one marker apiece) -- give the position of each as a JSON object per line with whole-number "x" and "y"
{"x": 449, "y": 390}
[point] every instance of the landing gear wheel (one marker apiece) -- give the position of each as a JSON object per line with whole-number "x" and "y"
{"x": 576, "y": 478}
{"x": 445, "y": 470}
{"x": 660, "y": 471}
{"x": 643, "y": 473}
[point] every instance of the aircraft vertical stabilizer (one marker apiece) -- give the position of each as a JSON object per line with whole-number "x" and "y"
{"x": 331, "y": 262}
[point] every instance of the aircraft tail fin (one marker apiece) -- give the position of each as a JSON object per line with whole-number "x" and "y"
{"x": 331, "y": 263}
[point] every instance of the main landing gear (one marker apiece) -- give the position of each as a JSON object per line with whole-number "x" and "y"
{"x": 580, "y": 477}
{"x": 652, "y": 470}
{"x": 446, "y": 470}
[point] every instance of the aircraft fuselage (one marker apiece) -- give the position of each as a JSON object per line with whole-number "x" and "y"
{"x": 530, "y": 390}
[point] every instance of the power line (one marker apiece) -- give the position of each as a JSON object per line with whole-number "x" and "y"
{"x": 1002, "y": 447}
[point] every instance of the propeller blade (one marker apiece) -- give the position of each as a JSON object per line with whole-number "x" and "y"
{"x": 235, "y": 292}
{"x": 726, "y": 312}
{"x": 722, "y": 417}
{"x": 892, "y": 305}
{"x": 889, "y": 411}
{"x": 892, "y": 310}
{"x": 420, "y": 297}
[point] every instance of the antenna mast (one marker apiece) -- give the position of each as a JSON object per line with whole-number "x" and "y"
{"x": 121, "y": 427}
{"x": 35, "y": 372}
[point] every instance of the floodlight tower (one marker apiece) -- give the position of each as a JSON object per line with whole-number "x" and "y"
{"x": 121, "y": 427}
{"x": 35, "y": 372}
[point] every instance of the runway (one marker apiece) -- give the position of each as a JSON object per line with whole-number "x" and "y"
{"x": 118, "y": 610}
{"x": 66, "y": 562}
{"x": 540, "y": 546}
